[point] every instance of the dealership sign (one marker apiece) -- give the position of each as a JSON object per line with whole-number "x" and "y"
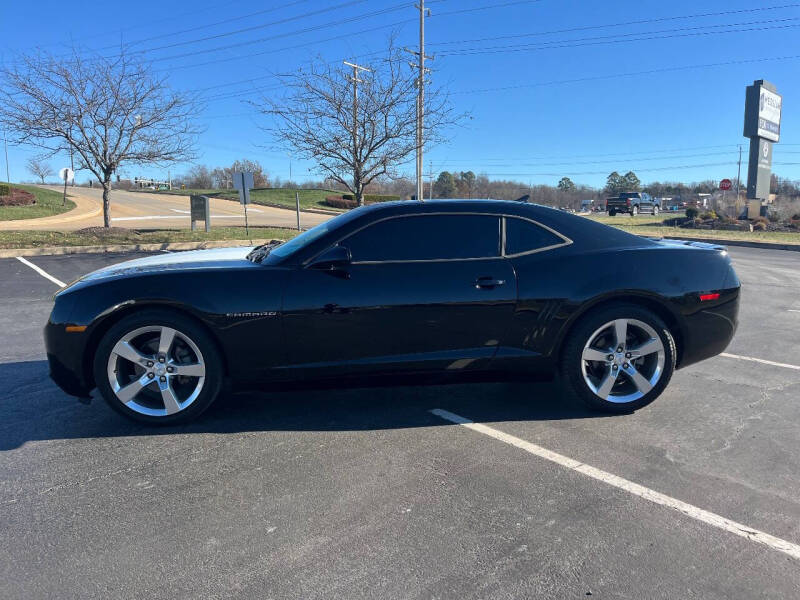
{"x": 769, "y": 115}
{"x": 762, "y": 113}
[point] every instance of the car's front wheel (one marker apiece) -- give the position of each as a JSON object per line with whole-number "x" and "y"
{"x": 612, "y": 213}
{"x": 618, "y": 359}
{"x": 158, "y": 367}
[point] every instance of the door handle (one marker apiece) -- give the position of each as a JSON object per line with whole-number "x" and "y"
{"x": 488, "y": 283}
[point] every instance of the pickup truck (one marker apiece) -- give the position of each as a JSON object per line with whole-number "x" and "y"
{"x": 633, "y": 203}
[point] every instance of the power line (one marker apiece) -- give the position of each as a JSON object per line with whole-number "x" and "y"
{"x": 610, "y": 161}
{"x": 621, "y": 24}
{"x": 632, "y": 74}
{"x": 618, "y": 39}
{"x": 257, "y": 27}
{"x": 646, "y": 170}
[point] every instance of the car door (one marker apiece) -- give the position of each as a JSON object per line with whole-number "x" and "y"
{"x": 421, "y": 292}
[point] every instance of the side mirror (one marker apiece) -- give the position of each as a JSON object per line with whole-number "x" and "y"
{"x": 335, "y": 257}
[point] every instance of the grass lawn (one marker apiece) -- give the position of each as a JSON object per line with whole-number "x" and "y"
{"x": 267, "y": 196}
{"x": 117, "y": 235}
{"x": 654, "y": 226}
{"x": 48, "y": 203}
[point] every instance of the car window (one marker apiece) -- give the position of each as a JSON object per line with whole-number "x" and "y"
{"x": 525, "y": 236}
{"x": 427, "y": 237}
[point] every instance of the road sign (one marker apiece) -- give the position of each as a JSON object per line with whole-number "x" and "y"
{"x": 66, "y": 174}
{"x": 725, "y": 184}
{"x": 243, "y": 181}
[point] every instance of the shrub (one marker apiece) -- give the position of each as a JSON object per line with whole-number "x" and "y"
{"x": 5, "y": 190}
{"x": 372, "y": 198}
{"x": 708, "y": 215}
{"x": 692, "y": 212}
{"x": 339, "y": 202}
{"x": 760, "y": 226}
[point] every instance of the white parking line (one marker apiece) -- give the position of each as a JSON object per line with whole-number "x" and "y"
{"x": 762, "y": 361}
{"x": 794, "y": 310}
{"x": 41, "y": 272}
{"x": 689, "y": 510}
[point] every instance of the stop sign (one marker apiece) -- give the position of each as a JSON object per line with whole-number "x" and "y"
{"x": 725, "y": 184}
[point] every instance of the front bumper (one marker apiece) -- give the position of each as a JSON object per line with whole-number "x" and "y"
{"x": 65, "y": 357}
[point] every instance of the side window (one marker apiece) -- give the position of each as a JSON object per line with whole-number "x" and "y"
{"x": 524, "y": 236}
{"x": 427, "y": 237}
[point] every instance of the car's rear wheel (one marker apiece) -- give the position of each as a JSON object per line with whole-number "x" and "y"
{"x": 618, "y": 359}
{"x": 612, "y": 213}
{"x": 158, "y": 367}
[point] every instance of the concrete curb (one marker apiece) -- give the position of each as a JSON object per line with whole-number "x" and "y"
{"x": 170, "y": 246}
{"x": 722, "y": 242}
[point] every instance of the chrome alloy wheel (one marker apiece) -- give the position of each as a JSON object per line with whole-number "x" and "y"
{"x": 156, "y": 371}
{"x": 623, "y": 360}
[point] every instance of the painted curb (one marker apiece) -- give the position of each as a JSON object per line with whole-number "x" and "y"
{"x": 170, "y": 246}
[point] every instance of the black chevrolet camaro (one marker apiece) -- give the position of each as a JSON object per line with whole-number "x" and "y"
{"x": 447, "y": 287}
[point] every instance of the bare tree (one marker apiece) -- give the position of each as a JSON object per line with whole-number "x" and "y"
{"x": 39, "y": 168}
{"x": 356, "y": 129}
{"x": 110, "y": 110}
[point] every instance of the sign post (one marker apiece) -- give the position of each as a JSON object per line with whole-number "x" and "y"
{"x": 66, "y": 175}
{"x": 297, "y": 204}
{"x": 724, "y": 185}
{"x": 243, "y": 181}
{"x": 199, "y": 210}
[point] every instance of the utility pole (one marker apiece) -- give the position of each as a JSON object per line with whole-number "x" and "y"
{"x": 5, "y": 143}
{"x": 356, "y": 81}
{"x": 420, "y": 65}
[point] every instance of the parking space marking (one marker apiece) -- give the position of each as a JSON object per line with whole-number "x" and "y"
{"x": 761, "y": 361}
{"x": 685, "y": 508}
{"x": 41, "y": 272}
{"x": 794, "y": 310}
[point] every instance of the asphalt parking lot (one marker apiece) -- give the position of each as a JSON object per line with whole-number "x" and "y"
{"x": 366, "y": 493}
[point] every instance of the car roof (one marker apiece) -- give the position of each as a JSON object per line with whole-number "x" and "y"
{"x": 585, "y": 233}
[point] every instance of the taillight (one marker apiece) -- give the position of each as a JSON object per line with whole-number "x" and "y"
{"x": 628, "y": 201}
{"x": 707, "y": 297}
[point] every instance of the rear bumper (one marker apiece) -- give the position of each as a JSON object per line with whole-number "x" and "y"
{"x": 711, "y": 328}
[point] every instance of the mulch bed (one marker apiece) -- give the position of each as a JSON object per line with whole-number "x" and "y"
{"x": 18, "y": 197}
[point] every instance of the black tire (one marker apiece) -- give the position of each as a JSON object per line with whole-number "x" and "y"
{"x": 612, "y": 213}
{"x": 570, "y": 366}
{"x": 213, "y": 377}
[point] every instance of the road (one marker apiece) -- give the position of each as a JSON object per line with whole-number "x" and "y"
{"x": 364, "y": 493}
{"x": 143, "y": 210}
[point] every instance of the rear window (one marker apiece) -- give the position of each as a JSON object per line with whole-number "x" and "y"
{"x": 525, "y": 236}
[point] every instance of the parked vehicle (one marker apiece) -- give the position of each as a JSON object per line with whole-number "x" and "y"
{"x": 632, "y": 203}
{"x": 448, "y": 287}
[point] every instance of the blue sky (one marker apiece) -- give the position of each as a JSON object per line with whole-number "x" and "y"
{"x": 579, "y": 91}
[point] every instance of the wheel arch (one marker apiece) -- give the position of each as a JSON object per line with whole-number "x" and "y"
{"x": 649, "y": 302}
{"x": 112, "y": 318}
